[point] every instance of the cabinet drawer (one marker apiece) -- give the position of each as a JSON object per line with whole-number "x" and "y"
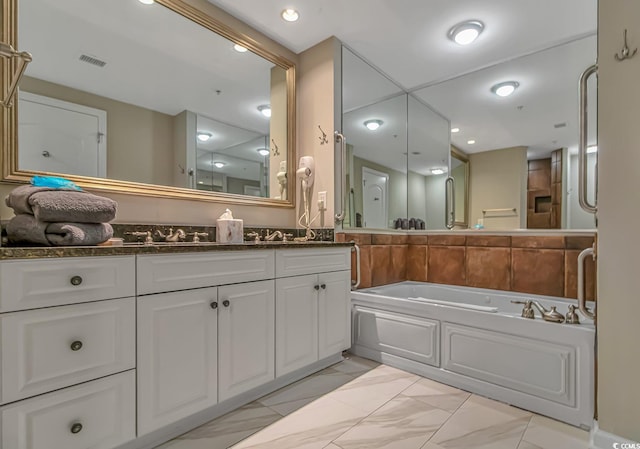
{"x": 30, "y": 284}
{"x": 165, "y": 273}
{"x": 47, "y": 349}
{"x": 294, "y": 262}
{"x": 97, "y": 415}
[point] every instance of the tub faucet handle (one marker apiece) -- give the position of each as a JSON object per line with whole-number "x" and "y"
{"x": 527, "y": 311}
{"x": 572, "y": 316}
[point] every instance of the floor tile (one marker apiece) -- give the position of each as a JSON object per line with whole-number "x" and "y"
{"x": 226, "y": 430}
{"x": 437, "y": 394}
{"x": 483, "y": 424}
{"x": 373, "y": 389}
{"x": 355, "y": 365}
{"x": 312, "y": 427}
{"x": 545, "y": 433}
{"x": 402, "y": 423}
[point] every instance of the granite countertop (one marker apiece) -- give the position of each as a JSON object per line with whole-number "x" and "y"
{"x": 37, "y": 252}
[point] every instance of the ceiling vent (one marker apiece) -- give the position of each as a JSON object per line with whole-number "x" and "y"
{"x": 560, "y": 125}
{"x": 91, "y": 60}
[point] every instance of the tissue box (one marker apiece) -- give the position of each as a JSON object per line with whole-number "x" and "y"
{"x": 229, "y": 231}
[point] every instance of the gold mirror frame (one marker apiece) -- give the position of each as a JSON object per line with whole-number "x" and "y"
{"x": 9, "y": 118}
{"x": 455, "y": 153}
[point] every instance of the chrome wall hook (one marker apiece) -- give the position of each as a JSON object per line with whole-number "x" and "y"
{"x": 275, "y": 150}
{"x": 323, "y": 137}
{"x": 625, "y": 53}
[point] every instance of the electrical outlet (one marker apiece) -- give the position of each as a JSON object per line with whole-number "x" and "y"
{"x": 322, "y": 200}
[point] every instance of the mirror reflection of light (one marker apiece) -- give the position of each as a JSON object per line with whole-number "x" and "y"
{"x": 437, "y": 171}
{"x": 471, "y": 142}
{"x": 263, "y": 151}
{"x": 505, "y": 89}
{"x": 219, "y": 164}
{"x": 147, "y": 2}
{"x": 203, "y": 137}
{"x": 372, "y": 125}
{"x": 592, "y": 149}
{"x": 455, "y": 130}
{"x": 239, "y": 48}
{"x": 265, "y": 110}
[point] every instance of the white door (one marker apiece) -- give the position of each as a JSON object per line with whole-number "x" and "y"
{"x": 61, "y": 137}
{"x": 296, "y": 323}
{"x": 334, "y": 305}
{"x": 177, "y": 356}
{"x": 374, "y": 198}
{"x": 246, "y": 349}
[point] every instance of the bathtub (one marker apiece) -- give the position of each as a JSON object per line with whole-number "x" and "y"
{"x": 476, "y": 340}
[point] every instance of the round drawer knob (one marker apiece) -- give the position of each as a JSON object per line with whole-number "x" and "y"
{"x": 317, "y": 287}
{"x": 76, "y": 427}
{"x": 214, "y": 305}
{"x": 323, "y": 286}
{"x": 76, "y": 346}
{"x": 226, "y": 303}
{"x": 76, "y": 280}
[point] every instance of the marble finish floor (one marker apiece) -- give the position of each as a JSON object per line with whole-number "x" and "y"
{"x": 360, "y": 404}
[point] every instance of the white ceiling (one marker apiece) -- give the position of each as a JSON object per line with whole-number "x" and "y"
{"x": 407, "y": 41}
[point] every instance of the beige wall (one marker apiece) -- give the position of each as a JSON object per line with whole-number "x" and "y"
{"x": 318, "y": 86}
{"x": 498, "y": 181}
{"x": 618, "y": 212}
{"x": 139, "y": 209}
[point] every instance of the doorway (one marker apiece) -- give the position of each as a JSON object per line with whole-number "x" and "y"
{"x": 374, "y": 198}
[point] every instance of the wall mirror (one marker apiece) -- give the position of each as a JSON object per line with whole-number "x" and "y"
{"x": 537, "y": 120}
{"x": 157, "y": 99}
{"x": 397, "y": 152}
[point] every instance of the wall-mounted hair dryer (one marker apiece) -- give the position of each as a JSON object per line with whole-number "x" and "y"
{"x": 306, "y": 171}
{"x": 306, "y": 174}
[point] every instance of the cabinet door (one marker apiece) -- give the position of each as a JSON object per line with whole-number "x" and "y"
{"x": 334, "y": 313}
{"x": 296, "y": 323}
{"x": 246, "y": 349}
{"x": 177, "y": 356}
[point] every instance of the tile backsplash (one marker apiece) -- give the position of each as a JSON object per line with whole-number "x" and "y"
{"x": 538, "y": 264}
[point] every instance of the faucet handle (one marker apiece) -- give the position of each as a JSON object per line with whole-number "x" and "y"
{"x": 254, "y": 235}
{"x": 286, "y": 237}
{"x": 527, "y": 311}
{"x": 196, "y": 235}
{"x": 148, "y": 239}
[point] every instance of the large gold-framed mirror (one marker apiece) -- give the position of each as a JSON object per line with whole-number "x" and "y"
{"x": 182, "y": 92}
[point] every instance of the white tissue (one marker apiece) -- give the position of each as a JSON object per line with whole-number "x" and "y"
{"x": 228, "y": 215}
{"x": 230, "y": 230}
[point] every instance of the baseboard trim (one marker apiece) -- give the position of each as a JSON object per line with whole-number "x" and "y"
{"x": 605, "y": 440}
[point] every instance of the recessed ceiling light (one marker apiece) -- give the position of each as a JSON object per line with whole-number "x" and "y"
{"x": 265, "y": 109}
{"x": 471, "y": 142}
{"x": 203, "y": 137}
{"x": 372, "y": 125}
{"x": 455, "y": 130}
{"x": 263, "y": 151}
{"x": 147, "y": 2}
{"x": 219, "y": 164}
{"x": 239, "y": 48}
{"x": 437, "y": 171}
{"x": 592, "y": 149}
{"x": 466, "y": 32}
{"x": 200, "y": 182}
{"x": 290, "y": 15}
{"x": 505, "y": 89}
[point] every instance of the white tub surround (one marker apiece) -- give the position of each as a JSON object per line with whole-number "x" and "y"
{"x": 475, "y": 339}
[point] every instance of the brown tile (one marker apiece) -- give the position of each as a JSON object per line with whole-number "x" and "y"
{"x": 398, "y": 268}
{"x": 537, "y": 241}
{"x": 578, "y": 242}
{"x": 539, "y": 271}
{"x": 417, "y": 263}
{"x": 489, "y": 268}
{"x": 380, "y": 264}
{"x": 446, "y": 264}
{"x": 360, "y": 239}
{"x": 571, "y": 275}
{"x": 365, "y": 267}
{"x": 447, "y": 240}
{"x": 489, "y": 240}
{"x": 389, "y": 239}
{"x": 418, "y": 239}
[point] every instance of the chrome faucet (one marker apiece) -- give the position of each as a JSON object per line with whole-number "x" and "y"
{"x": 148, "y": 239}
{"x": 548, "y": 315}
{"x": 271, "y": 237}
{"x": 178, "y": 236}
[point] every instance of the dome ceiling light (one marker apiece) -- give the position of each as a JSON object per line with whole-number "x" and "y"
{"x": 239, "y": 48}
{"x": 203, "y": 137}
{"x": 265, "y": 110}
{"x": 471, "y": 142}
{"x": 465, "y": 33}
{"x": 290, "y": 15}
{"x": 263, "y": 151}
{"x": 437, "y": 171}
{"x": 505, "y": 89}
{"x": 219, "y": 164}
{"x": 455, "y": 130}
{"x": 372, "y": 125}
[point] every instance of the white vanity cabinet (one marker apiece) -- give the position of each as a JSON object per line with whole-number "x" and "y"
{"x": 312, "y": 310}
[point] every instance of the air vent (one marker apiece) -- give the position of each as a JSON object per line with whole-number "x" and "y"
{"x": 560, "y": 125}
{"x": 91, "y": 60}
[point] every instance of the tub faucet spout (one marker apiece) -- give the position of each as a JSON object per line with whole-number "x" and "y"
{"x": 549, "y": 315}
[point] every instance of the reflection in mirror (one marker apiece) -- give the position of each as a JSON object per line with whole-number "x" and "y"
{"x": 460, "y": 175}
{"x": 89, "y": 107}
{"x": 511, "y": 140}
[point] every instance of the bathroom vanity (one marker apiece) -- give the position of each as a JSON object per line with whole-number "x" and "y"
{"x": 128, "y": 347}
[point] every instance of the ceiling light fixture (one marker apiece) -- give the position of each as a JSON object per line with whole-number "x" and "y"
{"x": 372, "y": 125}
{"x": 147, "y": 2}
{"x": 505, "y": 89}
{"x": 203, "y": 137}
{"x": 437, "y": 171}
{"x": 290, "y": 15}
{"x": 466, "y": 32}
{"x": 219, "y": 164}
{"x": 455, "y": 130}
{"x": 592, "y": 149}
{"x": 471, "y": 142}
{"x": 263, "y": 151}
{"x": 239, "y": 48}
{"x": 265, "y": 110}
